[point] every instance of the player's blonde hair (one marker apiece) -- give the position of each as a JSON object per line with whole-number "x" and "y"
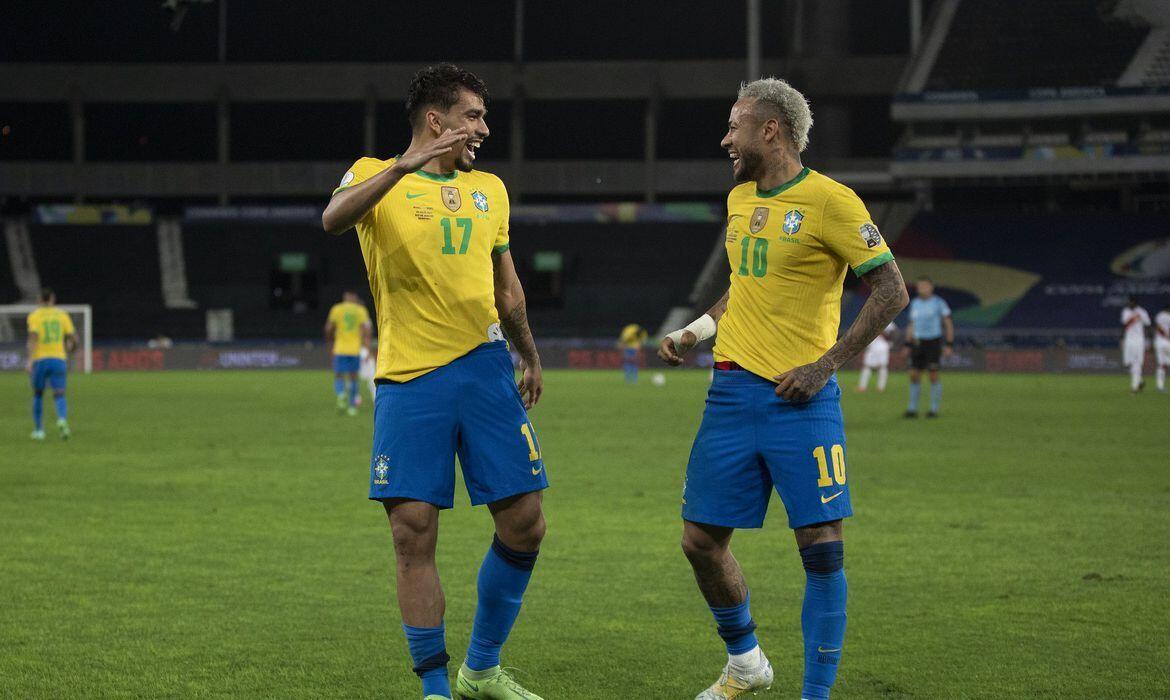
{"x": 787, "y": 100}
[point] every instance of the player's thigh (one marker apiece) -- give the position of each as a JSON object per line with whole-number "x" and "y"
{"x": 726, "y": 483}
{"x": 415, "y": 430}
{"x": 499, "y": 448}
{"x": 57, "y": 376}
{"x": 38, "y": 377}
{"x": 804, "y": 448}
{"x": 1163, "y": 354}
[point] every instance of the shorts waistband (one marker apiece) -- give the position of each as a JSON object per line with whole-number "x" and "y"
{"x": 489, "y": 346}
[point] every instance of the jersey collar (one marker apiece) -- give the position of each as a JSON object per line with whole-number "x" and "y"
{"x": 786, "y": 186}
{"x": 437, "y": 178}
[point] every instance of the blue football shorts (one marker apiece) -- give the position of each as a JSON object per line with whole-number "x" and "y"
{"x": 751, "y": 440}
{"x": 469, "y": 408}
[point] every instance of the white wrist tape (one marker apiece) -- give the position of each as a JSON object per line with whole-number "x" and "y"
{"x": 703, "y": 327}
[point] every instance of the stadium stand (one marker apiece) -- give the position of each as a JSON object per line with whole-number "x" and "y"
{"x": 1084, "y": 45}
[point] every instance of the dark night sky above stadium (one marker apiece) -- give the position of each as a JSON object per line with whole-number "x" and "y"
{"x": 379, "y": 30}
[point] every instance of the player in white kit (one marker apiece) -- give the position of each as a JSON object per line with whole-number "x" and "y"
{"x": 877, "y": 357}
{"x": 1134, "y": 320}
{"x": 1162, "y": 344}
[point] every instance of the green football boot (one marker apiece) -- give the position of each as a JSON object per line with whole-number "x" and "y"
{"x": 490, "y": 684}
{"x": 351, "y": 411}
{"x": 38, "y": 435}
{"x": 341, "y": 403}
{"x": 63, "y": 428}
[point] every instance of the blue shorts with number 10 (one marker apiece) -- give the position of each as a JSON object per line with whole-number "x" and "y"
{"x": 469, "y": 407}
{"x": 751, "y": 440}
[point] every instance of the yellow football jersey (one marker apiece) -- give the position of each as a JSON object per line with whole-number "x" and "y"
{"x": 51, "y": 326}
{"x": 428, "y": 248}
{"x": 632, "y": 336}
{"x": 347, "y": 319}
{"x": 788, "y": 250}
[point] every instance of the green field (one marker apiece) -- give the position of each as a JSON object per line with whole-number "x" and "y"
{"x": 207, "y": 534}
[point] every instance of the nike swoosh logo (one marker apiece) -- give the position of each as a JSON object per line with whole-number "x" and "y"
{"x": 826, "y": 500}
{"x": 537, "y": 471}
{"x": 474, "y": 687}
{"x": 412, "y": 195}
{"x": 827, "y": 651}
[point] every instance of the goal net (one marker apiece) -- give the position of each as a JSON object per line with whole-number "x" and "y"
{"x": 14, "y": 335}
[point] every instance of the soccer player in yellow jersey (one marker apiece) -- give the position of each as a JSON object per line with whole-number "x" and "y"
{"x": 348, "y": 327}
{"x": 434, "y": 235}
{"x": 773, "y": 417}
{"x": 631, "y": 340}
{"x": 51, "y": 339}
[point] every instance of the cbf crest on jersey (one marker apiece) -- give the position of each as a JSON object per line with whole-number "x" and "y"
{"x": 869, "y": 234}
{"x": 759, "y": 219}
{"x": 480, "y": 200}
{"x": 451, "y": 198}
{"x": 792, "y": 222}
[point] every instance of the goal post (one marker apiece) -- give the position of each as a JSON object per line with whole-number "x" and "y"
{"x": 14, "y": 331}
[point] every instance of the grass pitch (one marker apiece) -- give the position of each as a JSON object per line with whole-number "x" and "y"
{"x": 207, "y": 534}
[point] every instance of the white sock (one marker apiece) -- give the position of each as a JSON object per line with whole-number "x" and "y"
{"x": 1135, "y": 375}
{"x": 883, "y": 374}
{"x": 1161, "y": 374}
{"x": 864, "y": 381}
{"x": 749, "y": 660}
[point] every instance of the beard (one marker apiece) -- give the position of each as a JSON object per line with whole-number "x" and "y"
{"x": 751, "y": 165}
{"x": 464, "y": 162}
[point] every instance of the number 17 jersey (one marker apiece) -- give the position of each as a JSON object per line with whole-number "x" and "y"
{"x": 428, "y": 247}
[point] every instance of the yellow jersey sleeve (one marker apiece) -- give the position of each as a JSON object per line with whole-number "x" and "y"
{"x": 362, "y": 169}
{"x": 32, "y": 321}
{"x": 849, "y": 233}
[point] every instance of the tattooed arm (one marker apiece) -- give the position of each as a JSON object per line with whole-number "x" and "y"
{"x": 887, "y": 297}
{"x": 514, "y": 320}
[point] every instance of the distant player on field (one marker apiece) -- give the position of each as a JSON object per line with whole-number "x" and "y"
{"x": 51, "y": 339}
{"x": 369, "y": 370}
{"x": 773, "y": 417}
{"x": 1134, "y": 320}
{"x": 348, "y": 327}
{"x": 929, "y": 328}
{"x": 1162, "y": 344}
{"x": 434, "y": 235}
{"x": 877, "y": 359}
{"x": 631, "y": 340}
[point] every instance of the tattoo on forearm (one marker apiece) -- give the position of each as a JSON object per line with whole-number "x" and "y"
{"x": 887, "y": 297}
{"x": 718, "y": 308}
{"x": 515, "y": 325}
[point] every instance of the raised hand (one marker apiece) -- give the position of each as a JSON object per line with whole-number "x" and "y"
{"x": 418, "y": 156}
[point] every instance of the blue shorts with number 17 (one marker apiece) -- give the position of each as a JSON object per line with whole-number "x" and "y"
{"x": 469, "y": 407}
{"x": 751, "y": 441}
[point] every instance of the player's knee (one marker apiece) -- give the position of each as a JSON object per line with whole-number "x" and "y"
{"x": 414, "y": 537}
{"x": 823, "y": 557}
{"x": 700, "y": 548}
{"x": 526, "y": 534}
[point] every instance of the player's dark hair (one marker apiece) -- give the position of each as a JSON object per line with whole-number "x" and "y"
{"x": 924, "y": 278}
{"x": 46, "y": 294}
{"x": 439, "y": 86}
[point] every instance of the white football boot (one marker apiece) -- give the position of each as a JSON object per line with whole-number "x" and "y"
{"x": 736, "y": 683}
